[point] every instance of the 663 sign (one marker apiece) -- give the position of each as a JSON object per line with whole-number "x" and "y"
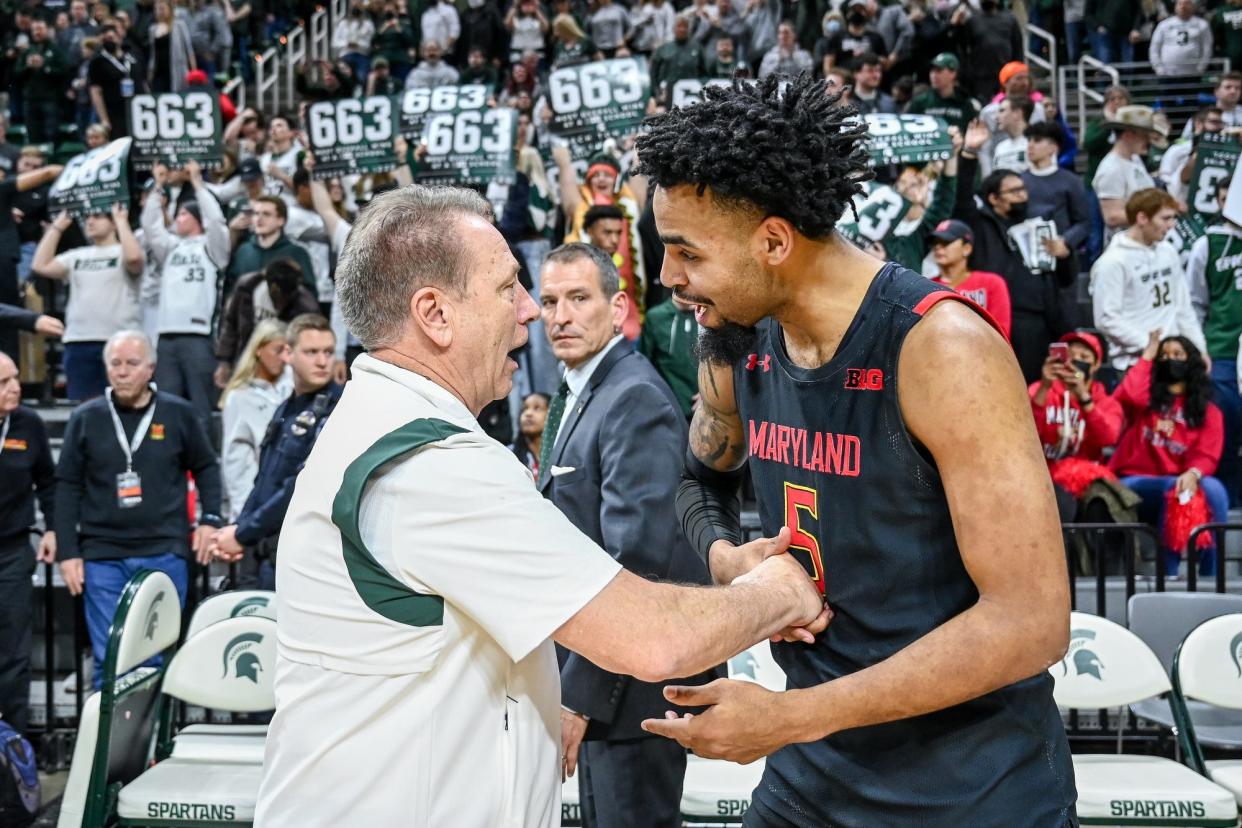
{"x": 352, "y": 136}
{"x": 174, "y": 128}
{"x": 469, "y": 146}
{"x": 907, "y": 139}
{"x": 417, "y": 106}
{"x": 93, "y": 181}
{"x": 593, "y": 101}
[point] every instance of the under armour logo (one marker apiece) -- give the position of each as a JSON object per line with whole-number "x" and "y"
{"x": 753, "y": 360}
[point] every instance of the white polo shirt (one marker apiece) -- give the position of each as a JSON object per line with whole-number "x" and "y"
{"x": 416, "y": 683}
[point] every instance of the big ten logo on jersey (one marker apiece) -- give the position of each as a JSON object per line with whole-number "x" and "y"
{"x": 864, "y": 379}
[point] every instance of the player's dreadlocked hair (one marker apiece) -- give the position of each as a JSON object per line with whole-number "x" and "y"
{"x": 797, "y": 153}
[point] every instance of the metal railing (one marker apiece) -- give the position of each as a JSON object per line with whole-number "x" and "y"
{"x": 337, "y": 11}
{"x": 1048, "y": 64}
{"x": 267, "y": 81}
{"x": 295, "y": 56}
{"x": 236, "y": 91}
{"x": 1087, "y": 93}
{"x": 320, "y": 39}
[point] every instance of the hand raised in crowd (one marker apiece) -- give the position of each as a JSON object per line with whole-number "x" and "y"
{"x": 62, "y": 222}
{"x": 120, "y": 213}
{"x": 195, "y": 171}
{"x": 957, "y": 139}
{"x": 49, "y": 326}
{"x": 47, "y": 548}
{"x": 159, "y": 174}
{"x": 400, "y": 147}
{"x": 1153, "y": 345}
{"x": 72, "y": 572}
{"x": 308, "y": 162}
{"x": 340, "y": 371}
{"x": 977, "y": 134}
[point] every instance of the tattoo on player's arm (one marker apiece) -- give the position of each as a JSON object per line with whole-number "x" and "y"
{"x": 715, "y": 439}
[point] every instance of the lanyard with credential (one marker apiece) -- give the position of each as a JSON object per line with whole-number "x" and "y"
{"x": 130, "y": 447}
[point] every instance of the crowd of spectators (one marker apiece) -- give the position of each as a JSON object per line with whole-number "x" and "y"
{"x": 219, "y": 285}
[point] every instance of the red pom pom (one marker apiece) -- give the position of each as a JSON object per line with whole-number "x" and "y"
{"x": 1075, "y": 474}
{"x": 1181, "y": 518}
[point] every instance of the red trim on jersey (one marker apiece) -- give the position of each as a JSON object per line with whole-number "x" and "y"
{"x": 932, "y": 299}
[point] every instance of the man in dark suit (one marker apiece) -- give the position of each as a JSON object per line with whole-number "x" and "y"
{"x": 611, "y": 461}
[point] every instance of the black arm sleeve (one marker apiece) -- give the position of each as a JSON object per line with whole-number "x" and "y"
{"x": 709, "y": 505}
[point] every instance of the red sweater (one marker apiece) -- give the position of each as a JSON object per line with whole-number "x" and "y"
{"x": 988, "y": 291}
{"x": 1161, "y": 443}
{"x": 1066, "y": 431}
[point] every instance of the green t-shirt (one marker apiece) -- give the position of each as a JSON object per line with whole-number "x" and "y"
{"x": 957, "y": 110}
{"x": 1227, "y": 28}
{"x": 1223, "y": 274}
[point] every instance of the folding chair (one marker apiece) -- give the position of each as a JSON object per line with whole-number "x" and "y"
{"x": 1163, "y": 620}
{"x": 118, "y": 722}
{"x": 230, "y": 605}
{"x": 1208, "y": 668}
{"x": 1109, "y": 666}
{"x": 227, "y": 666}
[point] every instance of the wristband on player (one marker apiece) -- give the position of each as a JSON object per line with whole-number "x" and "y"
{"x": 709, "y": 505}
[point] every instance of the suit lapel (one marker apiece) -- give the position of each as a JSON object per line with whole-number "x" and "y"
{"x": 574, "y": 415}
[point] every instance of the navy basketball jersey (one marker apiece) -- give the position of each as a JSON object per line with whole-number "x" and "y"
{"x": 831, "y": 458}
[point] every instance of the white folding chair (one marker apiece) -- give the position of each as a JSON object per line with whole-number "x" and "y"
{"x": 1109, "y": 666}
{"x": 118, "y": 722}
{"x": 1208, "y": 668}
{"x": 756, "y": 664}
{"x": 231, "y": 605}
{"x": 227, "y": 666}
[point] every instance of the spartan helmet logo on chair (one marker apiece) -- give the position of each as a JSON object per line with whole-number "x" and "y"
{"x": 153, "y": 617}
{"x": 246, "y": 664}
{"x": 1235, "y": 652}
{"x": 1085, "y": 660}
{"x": 249, "y": 606}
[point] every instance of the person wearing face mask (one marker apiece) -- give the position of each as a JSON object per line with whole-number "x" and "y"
{"x": 1075, "y": 417}
{"x": 1038, "y": 316}
{"x": 841, "y": 46}
{"x": 1174, "y": 437}
{"x": 1138, "y": 285}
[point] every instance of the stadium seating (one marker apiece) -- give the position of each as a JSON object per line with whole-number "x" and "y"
{"x": 1109, "y": 666}
{"x": 227, "y": 666}
{"x": 1208, "y": 668}
{"x": 230, "y": 605}
{"x": 118, "y": 722}
{"x": 1163, "y": 620}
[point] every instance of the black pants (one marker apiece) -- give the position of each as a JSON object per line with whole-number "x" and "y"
{"x": 633, "y": 783}
{"x": 16, "y": 610}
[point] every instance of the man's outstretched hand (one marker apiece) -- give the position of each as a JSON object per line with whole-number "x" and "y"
{"x": 739, "y": 724}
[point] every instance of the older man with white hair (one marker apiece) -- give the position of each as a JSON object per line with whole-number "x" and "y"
{"x": 121, "y": 487}
{"x": 422, "y": 578}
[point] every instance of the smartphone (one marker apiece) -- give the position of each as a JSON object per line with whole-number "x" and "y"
{"x": 1059, "y": 351}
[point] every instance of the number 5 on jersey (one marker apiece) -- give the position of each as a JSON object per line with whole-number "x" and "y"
{"x": 800, "y": 499}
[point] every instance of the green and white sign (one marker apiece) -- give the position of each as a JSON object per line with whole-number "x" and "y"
{"x": 415, "y": 107}
{"x": 592, "y": 102}
{"x": 1188, "y": 229}
{"x": 352, "y": 135}
{"x": 93, "y": 181}
{"x": 879, "y": 213}
{"x": 907, "y": 139}
{"x": 469, "y": 146}
{"x": 1215, "y": 159}
{"x": 174, "y": 128}
{"x": 689, "y": 91}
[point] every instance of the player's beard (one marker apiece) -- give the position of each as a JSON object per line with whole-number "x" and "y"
{"x": 727, "y": 344}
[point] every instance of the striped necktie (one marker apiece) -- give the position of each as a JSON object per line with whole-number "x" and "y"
{"x": 556, "y": 411}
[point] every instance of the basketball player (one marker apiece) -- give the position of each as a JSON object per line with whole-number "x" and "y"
{"x": 886, "y": 423}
